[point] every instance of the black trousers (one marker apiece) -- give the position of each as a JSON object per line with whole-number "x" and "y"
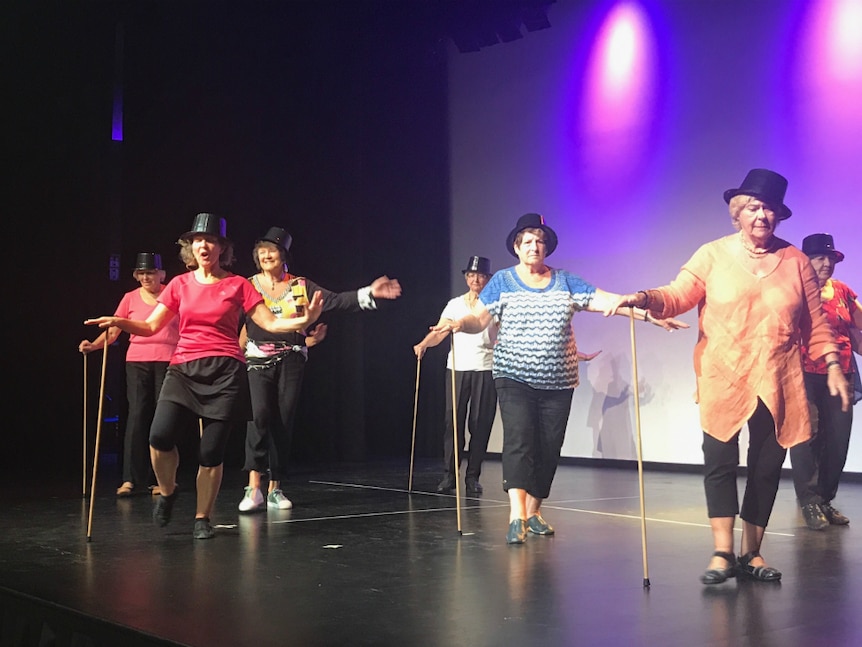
{"x": 143, "y": 384}
{"x": 274, "y": 398}
{"x": 534, "y": 427}
{"x": 818, "y": 463}
{"x": 476, "y": 389}
{"x": 765, "y": 458}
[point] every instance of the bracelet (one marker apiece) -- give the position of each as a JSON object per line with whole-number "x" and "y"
{"x": 645, "y": 306}
{"x": 834, "y": 362}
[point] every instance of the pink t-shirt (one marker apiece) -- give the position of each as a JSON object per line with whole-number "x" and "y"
{"x": 158, "y": 347}
{"x": 209, "y": 315}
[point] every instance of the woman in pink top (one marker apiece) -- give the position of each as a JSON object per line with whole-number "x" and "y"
{"x": 207, "y": 377}
{"x": 147, "y": 361}
{"x": 758, "y": 300}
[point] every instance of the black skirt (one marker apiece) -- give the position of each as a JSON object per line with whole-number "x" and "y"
{"x": 212, "y": 387}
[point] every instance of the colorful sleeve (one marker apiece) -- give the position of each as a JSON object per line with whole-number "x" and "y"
{"x": 492, "y": 294}
{"x": 582, "y": 292}
{"x": 689, "y": 287}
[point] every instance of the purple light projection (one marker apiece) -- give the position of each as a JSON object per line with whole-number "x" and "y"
{"x": 117, "y": 115}
{"x": 829, "y": 84}
{"x": 619, "y": 95}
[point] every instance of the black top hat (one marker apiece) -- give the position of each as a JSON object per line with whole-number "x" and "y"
{"x": 148, "y": 261}
{"x": 277, "y": 236}
{"x": 207, "y": 223}
{"x": 765, "y": 185}
{"x": 532, "y": 221}
{"x": 821, "y": 244}
{"x": 478, "y": 264}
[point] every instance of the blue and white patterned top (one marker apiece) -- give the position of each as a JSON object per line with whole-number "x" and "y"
{"x": 535, "y": 342}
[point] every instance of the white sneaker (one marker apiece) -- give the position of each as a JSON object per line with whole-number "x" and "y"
{"x": 252, "y": 501}
{"x": 277, "y": 501}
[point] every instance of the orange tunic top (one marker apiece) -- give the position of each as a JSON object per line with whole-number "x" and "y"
{"x": 749, "y": 332}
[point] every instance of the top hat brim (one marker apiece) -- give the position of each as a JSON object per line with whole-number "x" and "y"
{"x": 550, "y": 239}
{"x": 783, "y": 212}
{"x": 838, "y": 256}
{"x": 191, "y": 234}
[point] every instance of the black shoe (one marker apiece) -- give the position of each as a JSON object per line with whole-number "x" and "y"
{"x": 203, "y": 529}
{"x": 473, "y": 486}
{"x": 719, "y": 575}
{"x": 814, "y": 517}
{"x": 833, "y": 516}
{"x": 447, "y": 485}
{"x": 759, "y": 573}
{"x": 517, "y": 533}
{"x": 162, "y": 509}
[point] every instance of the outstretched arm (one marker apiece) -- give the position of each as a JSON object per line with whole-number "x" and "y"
{"x": 433, "y": 338}
{"x": 100, "y": 342}
{"x": 263, "y": 317}
{"x": 157, "y": 320}
{"x": 473, "y": 323}
{"x": 609, "y": 303}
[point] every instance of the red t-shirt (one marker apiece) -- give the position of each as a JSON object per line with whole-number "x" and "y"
{"x": 209, "y": 315}
{"x": 155, "y": 348}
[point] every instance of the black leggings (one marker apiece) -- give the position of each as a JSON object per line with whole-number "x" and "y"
{"x": 172, "y": 418}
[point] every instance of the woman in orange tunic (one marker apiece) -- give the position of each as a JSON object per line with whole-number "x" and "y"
{"x": 758, "y": 300}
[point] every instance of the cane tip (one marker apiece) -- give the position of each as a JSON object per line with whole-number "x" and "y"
{"x": 89, "y": 539}
{"x": 646, "y": 583}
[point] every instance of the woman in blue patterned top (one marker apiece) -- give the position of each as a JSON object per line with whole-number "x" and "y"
{"x": 535, "y": 364}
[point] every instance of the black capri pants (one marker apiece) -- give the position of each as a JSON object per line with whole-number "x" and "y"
{"x": 765, "y": 458}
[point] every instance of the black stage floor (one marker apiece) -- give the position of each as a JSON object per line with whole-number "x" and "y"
{"x": 360, "y": 561}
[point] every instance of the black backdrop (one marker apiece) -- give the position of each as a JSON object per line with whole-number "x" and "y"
{"x": 327, "y": 118}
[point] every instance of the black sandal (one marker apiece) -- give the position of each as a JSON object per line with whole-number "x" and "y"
{"x": 719, "y": 575}
{"x": 759, "y": 573}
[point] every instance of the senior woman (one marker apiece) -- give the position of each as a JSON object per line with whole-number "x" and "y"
{"x": 147, "y": 360}
{"x": 818, "y": 463}
{"x": 758, "y": 300}
{"x": 535, "y": 364}
{"x": 207, "y": 376}
{"x": 276, "y": 362}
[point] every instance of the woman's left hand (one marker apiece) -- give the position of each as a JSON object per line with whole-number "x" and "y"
{"x": 838, "y": 385}
{"x": 385, "y": 288}
{"x": 669, "y": 324}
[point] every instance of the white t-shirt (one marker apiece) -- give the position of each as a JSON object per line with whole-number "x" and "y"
{"x": 473, "y": 351}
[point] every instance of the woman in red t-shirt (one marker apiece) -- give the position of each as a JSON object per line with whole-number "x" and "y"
{"x": 147, "y": 360}
{"x": 207, "y": 376}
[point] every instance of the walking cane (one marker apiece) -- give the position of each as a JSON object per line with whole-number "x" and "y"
{"x": 413, "y": 442}
{"x": 455, "y": 446}
{"x": 639, "y": 449}
{"x": 98, "y": 436}
{"x": 84, "y": 454}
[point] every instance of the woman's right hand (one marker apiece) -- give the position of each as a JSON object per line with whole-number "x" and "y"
{"x": 86, "y": 347}
{"x": 101, "y": 322}
{"x": 314, "y": 308}
{"x": 621, "y": 301}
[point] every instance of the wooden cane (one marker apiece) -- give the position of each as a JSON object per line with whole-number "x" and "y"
{"x": 639, "y": 448}
{"x": 84, "y": 453}
{"x": 455, "y": 446}
{"x": 98, "y": 436}
{"x": 413, "y": 441}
